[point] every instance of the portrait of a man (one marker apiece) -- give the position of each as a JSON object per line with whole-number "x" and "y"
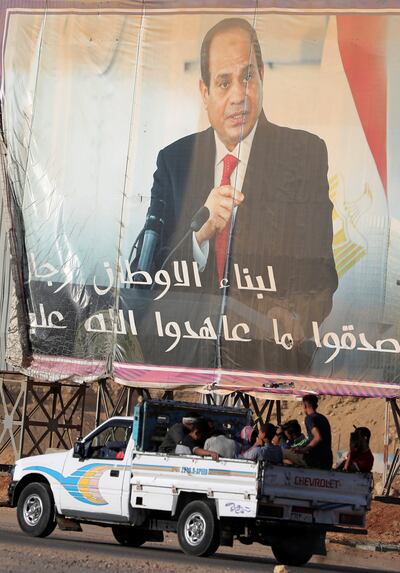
{"x": 266, "y": 190}
{"x": 274, "y": 125}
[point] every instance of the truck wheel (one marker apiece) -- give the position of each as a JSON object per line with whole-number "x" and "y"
{"x": 35, "y": 510}
{"x": 198, "y": 531}
{"x": 292, "y": 551}
{"x": 129, "y": 536}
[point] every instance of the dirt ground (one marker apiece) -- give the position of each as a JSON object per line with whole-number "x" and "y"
{"x": 95, "y": 550}
{"x": 383, "y": 524}
{"x": 3, "y": 489}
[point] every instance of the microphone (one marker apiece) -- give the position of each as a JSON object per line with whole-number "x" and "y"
{"x": 151, "y": 233}
{"x": 198, "y": 220}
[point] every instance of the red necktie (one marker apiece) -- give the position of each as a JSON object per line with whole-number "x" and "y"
{"x": 222, "y": 238}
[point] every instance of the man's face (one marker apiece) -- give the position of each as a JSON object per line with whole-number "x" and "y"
{"x": 234, "y": 99}
{"x": 196, "y": 435}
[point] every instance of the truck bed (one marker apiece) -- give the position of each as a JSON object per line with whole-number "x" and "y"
{"x": 316, "y": 496}
{"x": 158, "y": 479}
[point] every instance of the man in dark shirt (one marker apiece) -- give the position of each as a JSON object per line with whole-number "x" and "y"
{"x": 175, "y": 435}
{"x": 318, "y": 451}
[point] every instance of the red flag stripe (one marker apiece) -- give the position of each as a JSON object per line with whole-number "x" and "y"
{"x": 362, "y": 45}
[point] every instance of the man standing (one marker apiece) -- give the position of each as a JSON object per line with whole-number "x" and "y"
{"x": 266, "y": 190}
{"x": 318, "y": 451}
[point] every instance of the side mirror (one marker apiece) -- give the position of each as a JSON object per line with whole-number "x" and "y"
{"x": 79, "y": 449}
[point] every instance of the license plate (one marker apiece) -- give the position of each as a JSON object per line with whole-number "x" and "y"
{"x": 300, "y": 516}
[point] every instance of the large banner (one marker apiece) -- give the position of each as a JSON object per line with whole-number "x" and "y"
{"x": 205, "y": 193}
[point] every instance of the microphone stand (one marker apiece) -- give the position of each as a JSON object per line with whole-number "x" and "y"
{"x": 197, "y": 222}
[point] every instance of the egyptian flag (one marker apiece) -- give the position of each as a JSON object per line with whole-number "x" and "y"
{"x": 352, "y": 119}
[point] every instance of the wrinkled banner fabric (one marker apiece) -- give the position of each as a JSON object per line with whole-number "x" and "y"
{"x": 117, "y": 118}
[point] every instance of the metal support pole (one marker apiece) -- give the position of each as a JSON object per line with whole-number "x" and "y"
{"x": 278, "y": 412}
{"x": 394, "y": 469}
{"x": 98, "y": 401}
{"x": 386, "y": 442}
{"x": 129, "y": 397}
{"x": 269, "y": 413}
{"x": 55, "y": 390}
{"x": 396, "y": 416}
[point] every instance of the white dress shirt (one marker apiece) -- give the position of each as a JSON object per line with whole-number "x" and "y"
{"x": 242, "y": 153}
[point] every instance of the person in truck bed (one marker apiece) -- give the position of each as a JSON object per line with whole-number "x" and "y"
{"x": 289, "y": 435}
{"x": 175, "y": 434}
{"x": 360, "y": 457}
{"x": 223, "y": 444}
{"x": 264, "y": 449}
{"x": 193, "y": 442}
{"x": 317, "y": 453}
{"x": 246, "y": 439}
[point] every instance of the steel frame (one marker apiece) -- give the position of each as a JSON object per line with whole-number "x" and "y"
{"x": 61, "y": 414}
{"x": 248, "y": 401}
{"x": 35, "y": 416}
{"x": 13, "y": 393}
{"x": 119, "y": 400}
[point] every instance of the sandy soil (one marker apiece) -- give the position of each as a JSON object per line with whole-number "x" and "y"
{"x": 383, "y": 524}
{"x": 3, "y": 489}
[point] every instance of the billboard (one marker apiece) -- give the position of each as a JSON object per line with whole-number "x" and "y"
{"x": 205, "y": 193}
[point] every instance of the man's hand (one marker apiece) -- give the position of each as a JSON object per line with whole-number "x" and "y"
{"x": 214, "y": 456}
{"x": 304, "y": 451}
{"x": 220, "y": 202}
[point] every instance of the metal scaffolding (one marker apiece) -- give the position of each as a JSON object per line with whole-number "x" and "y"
{"x": 36, "y": 416}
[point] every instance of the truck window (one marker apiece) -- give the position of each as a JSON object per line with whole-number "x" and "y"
{"x": 109, "y": 443}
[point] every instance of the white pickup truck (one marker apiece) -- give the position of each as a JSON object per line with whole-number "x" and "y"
{"x": 116, "y": 477}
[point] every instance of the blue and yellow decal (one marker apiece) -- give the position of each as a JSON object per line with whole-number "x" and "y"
{"x": 83, "y": 484}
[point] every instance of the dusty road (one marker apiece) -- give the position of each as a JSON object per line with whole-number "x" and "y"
{"x": 94, "y": 550}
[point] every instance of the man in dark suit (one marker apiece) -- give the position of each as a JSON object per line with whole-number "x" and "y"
{"x": 267, "y": 193}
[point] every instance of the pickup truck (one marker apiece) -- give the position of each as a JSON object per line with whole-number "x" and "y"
{"x": 116, "y": 477}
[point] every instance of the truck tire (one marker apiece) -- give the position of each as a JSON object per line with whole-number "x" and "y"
{"x": 292, "y": 551}
{"x": 129, "y": 536}
{"x": 198, "y": 531}
{"x": 35, "y": 510}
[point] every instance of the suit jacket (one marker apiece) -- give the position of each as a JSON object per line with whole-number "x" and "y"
{"x": 285, "y": 221}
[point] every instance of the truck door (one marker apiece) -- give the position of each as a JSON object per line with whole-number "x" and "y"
{"x": 93, "y": 481}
